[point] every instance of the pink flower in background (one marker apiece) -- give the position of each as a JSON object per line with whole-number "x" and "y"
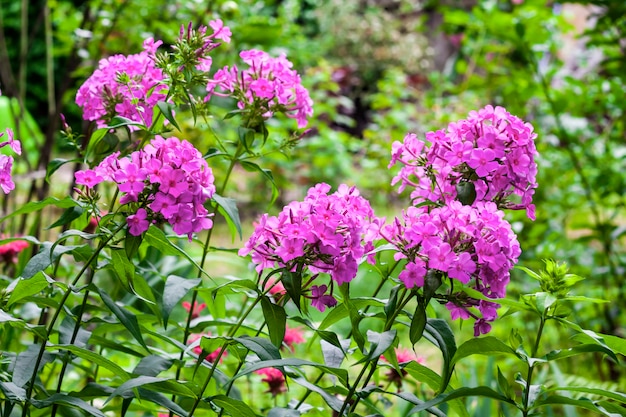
{"x": 196, "y": 310}
{"x": 293, "y": 336}
{"x": 9, "y": 251}
{"x": 403, "y": 356}
{"x": 211, "y": 357}
{"x": 275, "y": 380}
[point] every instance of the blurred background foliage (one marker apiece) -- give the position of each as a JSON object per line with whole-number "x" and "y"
{"x": 378, "y": 69}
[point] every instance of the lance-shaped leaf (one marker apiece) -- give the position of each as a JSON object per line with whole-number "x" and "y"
{"x": 439, "y": 333}
{"x": 276, "y": 320}
{"x": 176, "y": 288}
{"x": 488, "y": 345}
{"x": 125, "y": 317}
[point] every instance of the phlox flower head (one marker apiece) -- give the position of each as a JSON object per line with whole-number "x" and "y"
{"x": 470, "y": 245}
{"x": 490, "y": 156}
{"x": 168, "y": 181}
{"x": 269, "y": 85}
{"x": 325, "y": 233}
{"x": 127, "y": 86}
{"x": 274, "y": 379}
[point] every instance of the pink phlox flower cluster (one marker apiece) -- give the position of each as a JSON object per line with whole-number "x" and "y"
{"x": 6, "y": 161}
{"x": 128, "y": 86}
{"x": 269, "y": 83}
{"x": 493, "y": 150}
{"x": 168, "y": 178}
{"x": 467, "y": 243}
{"x": 325, "y": 233}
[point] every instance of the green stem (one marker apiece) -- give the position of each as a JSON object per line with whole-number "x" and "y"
{"x": 374, "y": 361}
{"x": 205, "y": 252}
{"x": 42, "y": 349}
{"x": 376, "y": 291}
{"x": 531, "y": 368}
{"x": 72, "y": 340}
{"x": 231, "y": 333}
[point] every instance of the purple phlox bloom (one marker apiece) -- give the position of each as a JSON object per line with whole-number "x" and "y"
{"x": 138, "y": 223}
{"x": 319, "y": 298}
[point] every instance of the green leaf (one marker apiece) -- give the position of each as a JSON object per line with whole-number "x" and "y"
{"x": 379, "y": 343}
{"x": 28, "y": 287}
{"x": 176, "y": 288}
{"x": 69, "y": 215}
{"x": 488, "y": 345}
{"x": 123, "y": 268}
{"x": 614, "y": 395}
{"x": 505, "y": 386}
{"x": 162, "y": 400}
{"x": 67, "y": 336}
{"x": 342, "y": 374}
{"x": 263, "y": 348}
{"x": 423, "y": 374}
{"x": 461, "y": 393}
{"x": 251, "y": 167}
{"x": 332, "y": 401}
{"x": 614, "y": 343}
{"x": 157, "y": 239}
{"x": 233, "y": 407}
{"x": 576, "y": 350}
{"x": 227, "y": 207}
{"x": 45, "y": 258}
{"x": 131, "y": 244}
{"x": 167, "y": 109}
{"x": 70, "y": 401}
{"x": 25, "y": 364}
{"x": 292, "y": 281}
{"x": 55, "y": 164}
{"x": 283, "y": 412}
{"x": 125, "y": 317}
{"x": 12, "y": 392}
{"x": 38, "y": 205}
{"x": 276, "y": 320}
{"x": 152, "y": 365}
{"x": 418, "y": 323}
{"x": 580, "y": 403}
{"x": 92, "y": 357}
{"x": 438, "y": 332}
{"x": 133, "y": 383}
